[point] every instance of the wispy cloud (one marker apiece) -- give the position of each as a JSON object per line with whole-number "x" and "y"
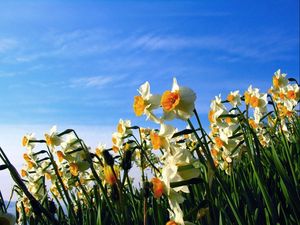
{"x": 234, "y": 46}
{"x": 7, "y": 74}
{"x": 7, "y": 44}
{"x": 95, "y": 81}
{"x": 98, "y": 42}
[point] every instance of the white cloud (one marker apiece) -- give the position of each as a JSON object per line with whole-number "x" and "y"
{"x": 7, "y": 44}
{"x": 7, "y": 74}
{"x": 95, "y": 81}
{"x": 232, "y": 47}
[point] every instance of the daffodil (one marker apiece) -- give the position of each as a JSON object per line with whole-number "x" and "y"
{"x": 163, "y": 137}
{"x": 27, "y": 141}
{"x": 145, "y": 103}
{"x": 117, "y": 141}
{"x": 52, "y": 139}
{"x": 179, "y": 102}
{"x": 234, "y": 98}
{"x": 279, "y": 79}
{"x": 158, "y": 187}
{"x": 178, "y": 166}
{"x": 175, "y": 212}
{"x": 258, "y": 101}
{"x": 217, "y": 108}
{"x": 109, "y": 175}
{"x": 122, "y": 127}
{"x": 74, "y": 170}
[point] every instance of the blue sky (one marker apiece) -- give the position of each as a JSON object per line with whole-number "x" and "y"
{"x": 79, "y": 63}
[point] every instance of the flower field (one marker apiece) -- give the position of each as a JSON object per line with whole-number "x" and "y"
{"x": 244, "y": 170}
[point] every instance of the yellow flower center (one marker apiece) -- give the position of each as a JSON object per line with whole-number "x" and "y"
{"x": 281, "y": 95}
{"x": 98, "y": 152}
{"x": 219, "y": 142}
{"x": 291, "y": 94}
{"x": 214, "y": 152}
{"x": 211, "y": 116}
{"x": 109, "y": 175}
{"x": 114, "y": 140}
{"x": 24, "y": 141}
{"x": 254, "y": 101}
{"x": 158, "y": 187}
{"x": 48, "y": 139}
{"x": 155, "y": 140}
{"x": 228, "y": 120}
{"x": 252, "y": 124}
{"x": 48, "y": 176}
{"x": 127, "y": 147}
{"x": 60, "y": 156}
{"x": 120, "y": 128}
{"x": 139, "y": 105}
{"x": 115, "y": 148}
{"x": 23, "y": 173}
{"x": 170, "y": 100}
{"x": 171, "y": 222}
{"x": 230, "y": 98}
{"x": 74, "y": 169}
{"x": 276, "y": 82}
{"x": 30, "y": 165}
{"x": 247, "y": 98}
{"x": 26, "y": 157}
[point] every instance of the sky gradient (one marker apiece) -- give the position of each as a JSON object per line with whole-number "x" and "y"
{"x": 78, "y": 65}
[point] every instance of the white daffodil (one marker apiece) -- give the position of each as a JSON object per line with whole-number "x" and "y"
{"x": 162, "y": 139}
{"x": 69, "y": 143}
{"x": 146, "y": 103}
{"x": 292, "y": 94}
{"x": 227, "y": 132}
{"x": 178, "y": 166}
{"x": 217, "y": 108}
{"x": 279, "y": 79}
{"x": 122, "y": 127}
{"x": 117, "y": 141}
{"x": 26, "y": 141}
{"x": 52, "y": 138}
{"x": 179, "y": 102}
{"x": 234, "y": 98}
{"x": 175, "y": 212}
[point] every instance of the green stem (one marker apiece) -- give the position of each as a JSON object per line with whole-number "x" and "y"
{"x": 89, "y": 159}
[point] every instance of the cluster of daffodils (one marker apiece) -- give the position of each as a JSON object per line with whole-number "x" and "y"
{"x": 173, "y": 160}
{"x": 62, "y": 165}
{"x": 227, "y": 139}
{"x": 177, "y": 163}
{"x": 224, "y": 125}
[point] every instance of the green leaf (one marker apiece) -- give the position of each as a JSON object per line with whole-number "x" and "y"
{"x": 187, "y": 182}
{"x": 3, "y": 167}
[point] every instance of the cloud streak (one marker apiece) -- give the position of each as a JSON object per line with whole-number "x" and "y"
{"x": 95, "y": 81}
{"x": 234, "y": 47}
{"x": 7, "y": 44}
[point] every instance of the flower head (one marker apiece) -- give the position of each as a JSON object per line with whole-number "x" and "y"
{"x": 145, "y": 103}
{"x": 53, "y": 139}
{"x": 158, "y": 187}
{"x": 26, "y": 141}
{"x": 234, "y": 98}
{"x": 179, "y": 102}
{"x": 109, "y": 175}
